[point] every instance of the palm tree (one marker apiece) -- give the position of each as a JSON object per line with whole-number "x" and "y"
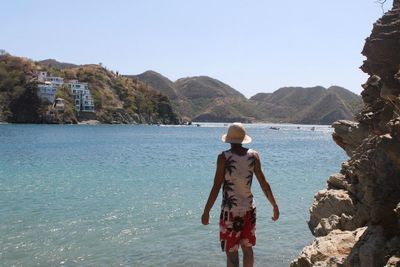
{"x": 227, "y": 186}
{"x": 229, "y": 201}
{"x": 252, "y": 160}
{"x": 249, "y": 178}
{"x": 229, "y": 165}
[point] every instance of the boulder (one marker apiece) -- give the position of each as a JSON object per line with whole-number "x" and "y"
{"x": 332, "y": 209}
{"x": 393, "y": 261}
{"x": 349, "y": 135}
{"x": 338, "y": 181}
{"x": 329, "y": 250}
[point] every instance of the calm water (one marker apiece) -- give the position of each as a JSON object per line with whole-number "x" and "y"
{"x": 133, "y": 195}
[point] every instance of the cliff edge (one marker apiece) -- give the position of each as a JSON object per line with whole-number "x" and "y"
{"x": 356, "y": 218}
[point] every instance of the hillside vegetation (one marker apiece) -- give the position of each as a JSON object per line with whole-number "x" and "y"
{"x": 205, "y": 99}
{"x": 152, "y": 98}
{"x": 117, "y": 99}
{"x": 313, "y": 105}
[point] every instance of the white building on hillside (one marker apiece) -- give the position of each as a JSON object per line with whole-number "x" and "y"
{"x": 55, "y": 80}
{"x": 47, "y": 91}
{"x": 48, "y": 85}
{"x": 43, "y": 77}
{"x": 82, "y": 96}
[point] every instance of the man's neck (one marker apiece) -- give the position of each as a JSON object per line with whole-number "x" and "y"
{"x": 238, "y": 149}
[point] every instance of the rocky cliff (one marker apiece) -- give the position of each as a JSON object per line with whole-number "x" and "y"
{"x": 356, "y": 218}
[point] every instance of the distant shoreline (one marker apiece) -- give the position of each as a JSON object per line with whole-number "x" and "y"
{"x": 194, "y": 124}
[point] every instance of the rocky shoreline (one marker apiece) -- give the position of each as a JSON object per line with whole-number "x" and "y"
{"x": 356, "y": 218}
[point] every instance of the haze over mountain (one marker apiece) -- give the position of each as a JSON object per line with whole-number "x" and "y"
{"x": 206, "y": 99}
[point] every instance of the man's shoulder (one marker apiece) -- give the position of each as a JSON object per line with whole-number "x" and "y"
{"x": 252, "y": 151}
{"x": 221, "y": 156}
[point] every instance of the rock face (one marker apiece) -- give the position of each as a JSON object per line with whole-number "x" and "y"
{"x": 329, "y": 250}
{"x": 356, "y": 219}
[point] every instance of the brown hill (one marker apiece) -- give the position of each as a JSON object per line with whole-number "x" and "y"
{"x": 156, "y": 80}
{"x": 52, "y": 63}
{"x": 117, "y": 99}
{"x": 313, "y": 105}
{"x": 200, "y": 98}
{"x": 211, "y": 100}
{"x": 206, "y": 99}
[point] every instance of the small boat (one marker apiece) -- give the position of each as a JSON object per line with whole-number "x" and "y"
{"x": 274, "y": 128}
{"x": 312, "y": 128}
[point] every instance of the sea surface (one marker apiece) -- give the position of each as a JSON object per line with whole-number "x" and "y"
{"x": 133, "y": 195}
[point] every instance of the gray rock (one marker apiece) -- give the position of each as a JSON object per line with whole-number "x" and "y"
{"x": 328, "y": 209}
{"x": 357, "y": 218}
{"x": 330, "y": 250}
{"x": 394, "y": 261}
{"x": 338, "y": 181}
{"x": 349, "y": 135}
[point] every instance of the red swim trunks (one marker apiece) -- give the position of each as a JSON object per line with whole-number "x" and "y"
{"x": 237, "y": 229}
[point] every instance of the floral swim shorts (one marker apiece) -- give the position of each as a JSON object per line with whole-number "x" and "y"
{"x": 237, "y": 229}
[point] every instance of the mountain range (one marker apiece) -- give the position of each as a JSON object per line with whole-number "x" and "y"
{"x": 151, "y": 97}
{"x": 117, "y": 99}
{"x": 205, "y": 99}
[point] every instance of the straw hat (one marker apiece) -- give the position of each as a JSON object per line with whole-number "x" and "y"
{"x": 236, "y": 134}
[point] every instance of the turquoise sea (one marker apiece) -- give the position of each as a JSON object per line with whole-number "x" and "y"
{"x": 129, "y": 195}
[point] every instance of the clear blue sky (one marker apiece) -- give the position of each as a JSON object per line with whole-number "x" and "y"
{"x": 254, "y": 46}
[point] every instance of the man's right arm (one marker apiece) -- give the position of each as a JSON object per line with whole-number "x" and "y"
{"x": 218, "y": 180}
{"x": 266, "y": 188}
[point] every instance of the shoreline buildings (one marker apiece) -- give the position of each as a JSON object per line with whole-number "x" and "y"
{"x": 82, "y": 97}
{"x": 48, "y": 86}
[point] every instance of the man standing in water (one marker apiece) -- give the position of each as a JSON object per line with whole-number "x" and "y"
{"x": 235, "y": 169}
